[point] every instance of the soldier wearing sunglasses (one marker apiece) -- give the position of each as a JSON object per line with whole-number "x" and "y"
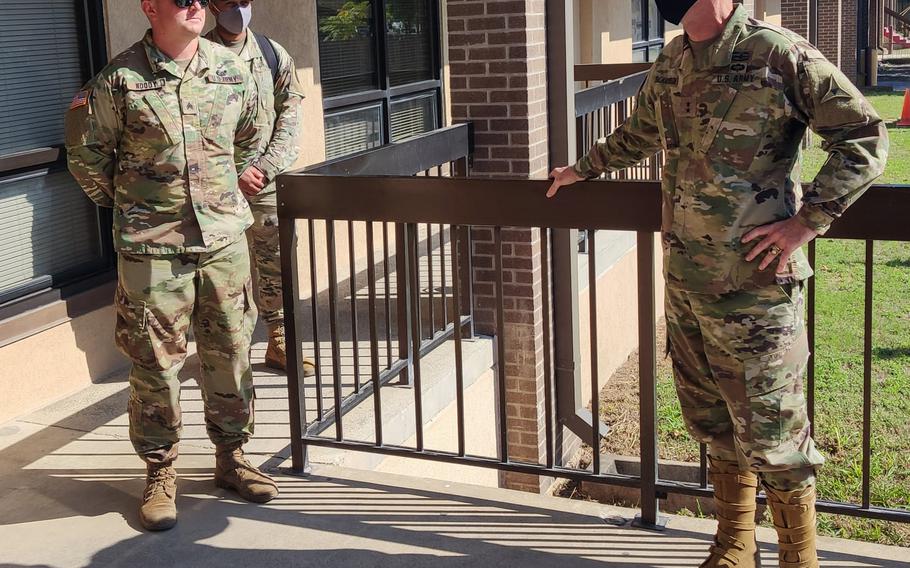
{"x": 160, "y": 136}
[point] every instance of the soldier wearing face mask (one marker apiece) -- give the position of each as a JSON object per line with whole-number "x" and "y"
{"x": 280, "y": 96}
{"x": 729, "y": 103}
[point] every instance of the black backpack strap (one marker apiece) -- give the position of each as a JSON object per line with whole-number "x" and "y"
{"x": 268, "y": 51}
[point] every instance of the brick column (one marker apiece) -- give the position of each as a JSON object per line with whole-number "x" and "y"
{"x": 795, "y": 16}
{"x": 849, "y": 39}
{"x": 829, "y": 30}
{"x": 498, "y": 81}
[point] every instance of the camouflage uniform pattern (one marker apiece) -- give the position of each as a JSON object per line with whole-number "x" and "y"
{"x": 730, "y": 117}
{"x": 163, "y": 148}
{"x": 739, "y": 360}
{"x": 157, "y": 298}
{"x": 280, "y": 120}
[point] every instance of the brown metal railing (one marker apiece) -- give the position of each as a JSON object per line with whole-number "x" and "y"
{"x": 602, "y": 107}
{"x": 418, "y": 250}
{"x": 462, "y": 203}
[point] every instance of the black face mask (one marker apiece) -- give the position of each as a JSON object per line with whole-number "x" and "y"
{"x": 674, "y": 10}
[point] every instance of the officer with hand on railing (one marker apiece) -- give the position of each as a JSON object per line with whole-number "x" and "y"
{"x": 729, "y": 103}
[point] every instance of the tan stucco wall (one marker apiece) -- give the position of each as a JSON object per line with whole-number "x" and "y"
{"x": 289, "y": 22}
{"x": 57, "y": 362}
{"x": 603, "y": 31}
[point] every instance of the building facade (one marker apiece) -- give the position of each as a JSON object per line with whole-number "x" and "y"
{"x": 374, "y": 72}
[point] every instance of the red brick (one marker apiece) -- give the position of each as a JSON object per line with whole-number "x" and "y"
{"x": 487, "y": 53}
{"x": 465, "y": 9}
{"x": 488, "y": 82}
{"x": 497, "y": 23}
{"x": 462, "y": 97}
{"x": 506, "y": 7}
{"x": 488, "y": 111}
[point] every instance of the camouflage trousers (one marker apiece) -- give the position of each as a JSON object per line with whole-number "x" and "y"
{"x": 738, "y": 361}
{"x": 157, "y": 298}
{"x": 264, "y": 252}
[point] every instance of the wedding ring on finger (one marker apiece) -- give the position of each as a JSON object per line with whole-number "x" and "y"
{"x": 774, "y": 250}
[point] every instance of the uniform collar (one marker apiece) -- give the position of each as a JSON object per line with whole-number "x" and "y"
{"x": 722, "y": 49}
{"x": 250, "y": 49}
{"x": 159, "y": 62}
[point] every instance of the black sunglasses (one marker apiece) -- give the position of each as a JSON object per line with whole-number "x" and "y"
{"x": 188, "y": 3}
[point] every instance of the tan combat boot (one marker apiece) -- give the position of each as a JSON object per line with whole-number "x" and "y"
{"x": 233, "y": 471}
{"x": 734, "y": 499}
{"x": 158, "y": 511}
{"x": 794, "y": 518}
{"x": 276, "y": 356}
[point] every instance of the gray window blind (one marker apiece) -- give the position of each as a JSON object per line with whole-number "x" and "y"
{"x": 350, "y": 131}
{"x": 49, "y": 229}
{"x": 413, "y": 116}
{"x": 40, "y": 71}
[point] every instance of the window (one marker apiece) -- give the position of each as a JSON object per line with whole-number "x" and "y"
{"x": 50, "y": 232}
{"x": 647, "y": 31}
{"x": 380, "y": 71}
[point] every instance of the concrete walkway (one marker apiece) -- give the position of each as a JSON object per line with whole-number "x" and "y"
{"x": 70, "y": 483}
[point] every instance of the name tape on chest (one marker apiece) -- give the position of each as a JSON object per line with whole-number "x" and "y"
{"x": 145, "y": 85}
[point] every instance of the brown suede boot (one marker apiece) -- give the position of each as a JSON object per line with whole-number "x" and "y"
{"x": 734, "y": 499}
{"x": 794, "y": 518}
{"x": 158, "y": 511}
{"x": 233, "y": 471}
{"x": 276, "y": 355}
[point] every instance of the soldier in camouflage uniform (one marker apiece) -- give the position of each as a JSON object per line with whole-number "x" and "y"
{"x": 159, "y": 135}
{"x": 730, "y": 112}
{"x": 280, "y": 121}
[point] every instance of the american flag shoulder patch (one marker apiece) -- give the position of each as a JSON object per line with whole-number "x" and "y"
{"x": 81, "y": 99}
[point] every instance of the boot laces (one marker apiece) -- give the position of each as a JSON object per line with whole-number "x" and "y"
{"x": 159, "y": 481}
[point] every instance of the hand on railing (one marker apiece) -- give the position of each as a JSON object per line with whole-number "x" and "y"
{"x": 561, "y": 177}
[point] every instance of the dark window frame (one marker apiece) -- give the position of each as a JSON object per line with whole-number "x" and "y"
{"x": 71, "y": 287}
{"x": 645, "y": 46}
{"x": 386, "y": 94}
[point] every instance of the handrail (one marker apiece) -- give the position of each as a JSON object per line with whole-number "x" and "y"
{"x": 608, "y": 71}
{"x": 627, "y": 206}
{"x": 405, "y": 158}
{"x": 611, "y": 92}
{"x": 601, "y": 204}
{"x": 897, "y": 16}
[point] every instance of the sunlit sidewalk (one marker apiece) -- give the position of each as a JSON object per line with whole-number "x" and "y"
{"x": 70, "y": 484}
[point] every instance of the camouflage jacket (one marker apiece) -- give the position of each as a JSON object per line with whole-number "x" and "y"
{"x": 279, "y": 108}
{"x": 730, "y": 120}
{"x": 163, "y": 148}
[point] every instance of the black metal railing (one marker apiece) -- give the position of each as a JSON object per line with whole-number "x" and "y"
{"x": 600, "y": 108}
{"x": 410, "y": 306}
{"x": 462, "y": 203}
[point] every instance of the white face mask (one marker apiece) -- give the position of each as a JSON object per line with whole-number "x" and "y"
{"x": 235, "y": 19}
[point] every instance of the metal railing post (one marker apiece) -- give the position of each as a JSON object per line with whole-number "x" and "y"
{"x": 290, "y": 286}
{"x": 647, "y": 354}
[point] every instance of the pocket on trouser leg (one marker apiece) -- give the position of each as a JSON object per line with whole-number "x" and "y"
{"x": 773, "y": 424}
{"x": 140, "y": 336}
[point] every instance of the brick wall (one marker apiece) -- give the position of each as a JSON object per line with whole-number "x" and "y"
{"x": 794, "y": 15}
{"x": 836, "y": 29}
{"x": 829, "y": 30}
{"x": 849, "y": 39}
{"x": 497, "y": 55}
